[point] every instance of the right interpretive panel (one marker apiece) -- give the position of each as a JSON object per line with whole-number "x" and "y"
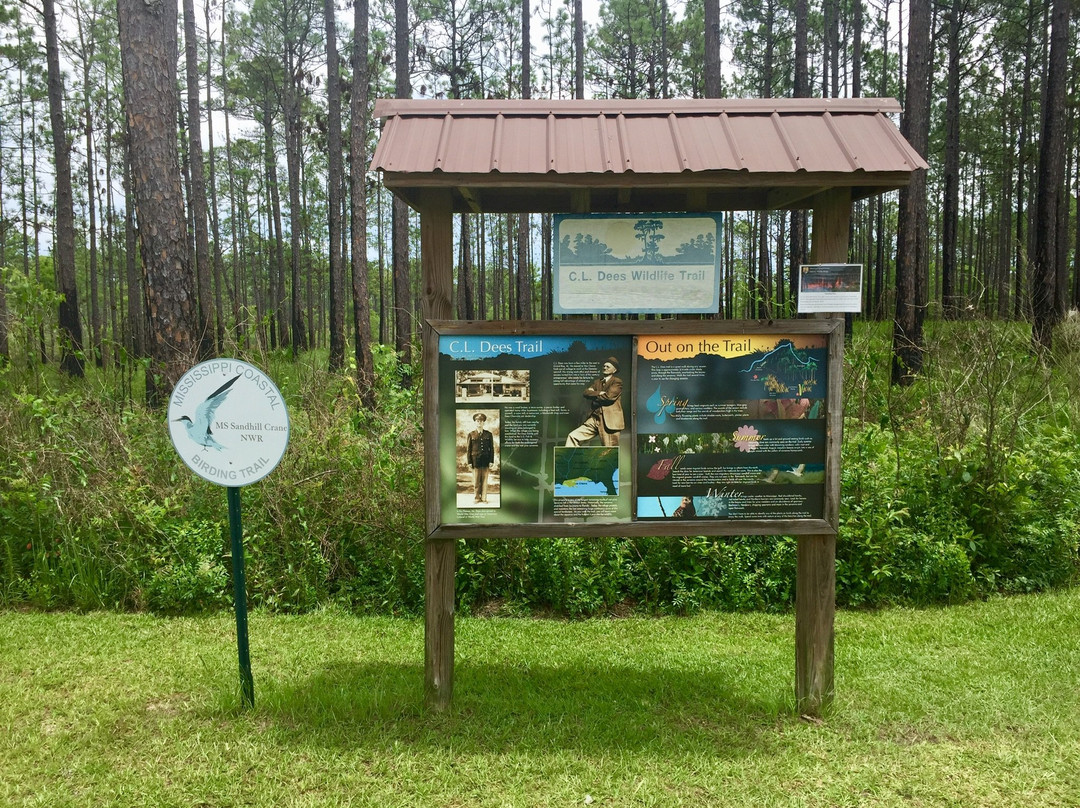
{"x": 731, "y": 427}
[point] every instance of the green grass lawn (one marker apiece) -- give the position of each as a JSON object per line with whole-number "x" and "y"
{"x": 975, "y": 705}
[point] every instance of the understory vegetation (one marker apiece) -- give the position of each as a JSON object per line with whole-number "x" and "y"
{"x": 966, "y": 483}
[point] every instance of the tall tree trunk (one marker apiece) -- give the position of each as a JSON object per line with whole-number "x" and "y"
{"x": 951, "y": 201}
{"x": 1004, "y": 228}
{"x": 1020, "y": 299}
{"x": 277, "y": 239}
{"x": 400, "y": 215}
{"x": 136, "y": 342}
{"x": 579, "y": 51}
{"x": 481, "y": 270}
{"x": 466, "y": 309}
{"x": 829, "y": 13}
{"x": 93, "y": 268}
{"x": 86, "y": 52}
{"x": 665, "y": 84}
{"x": 71, "y": 361}
{"x": 546, "y": 267}
{"x": 293, "y": 136}
{"x": 148, "y": 42}
{"x": 384, "y": 319}
{"x": 524, "y": 278}
{"x": 109, "y": 238}
{"x": 778, "y": 300}
{"x": 764, "y": 281}
{"x": 5, "y": 345}
{"x": 1076, "y": 239}
{"x": 238, "y": 222}
{"x": 511, "y": 288}
{"x": 215, "y": 229}
{"x": 856, "y": 49}
{"x": 911, "y": 243}
{"x": 25, "y": 201}
{"x": 1051, "y": 179}
{"x": 204, "y": 285}
{"x": 43, "y": 346}
{"x": 713, "y": 77}
{"x": 335, "y": 180}
{"x": 801, "y": 89}
{"x": 801, "y": 84}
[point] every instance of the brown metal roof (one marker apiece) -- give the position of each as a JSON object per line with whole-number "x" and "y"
{"x": 579, "y": 156}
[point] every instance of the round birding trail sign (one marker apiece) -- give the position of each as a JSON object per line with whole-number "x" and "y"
{"x": 228, "y": 422}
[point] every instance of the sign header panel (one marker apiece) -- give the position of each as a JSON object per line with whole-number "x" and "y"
{"x": 635, "y": 263}
{"x": 228, "y": 422}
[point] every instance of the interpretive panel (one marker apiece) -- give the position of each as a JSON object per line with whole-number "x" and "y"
{"x": 731, "y": 426}
{"x": 534, "y": 429}
{"x": 830, "y": 288}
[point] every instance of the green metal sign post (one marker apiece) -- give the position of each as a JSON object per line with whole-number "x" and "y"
{"x": 236, "y": 532}
{"x": 229, "y": 424}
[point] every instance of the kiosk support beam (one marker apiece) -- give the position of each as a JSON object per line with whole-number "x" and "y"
{"x": 440, "y": 555}
{"x": 815, "y": 582}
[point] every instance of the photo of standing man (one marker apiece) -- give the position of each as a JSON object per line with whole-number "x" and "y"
{"x": 480, "y": 451}
{"x": 605, "y": 417}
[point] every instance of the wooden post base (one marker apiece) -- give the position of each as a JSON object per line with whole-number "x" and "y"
{"x": 815, "y": 610}
{"x": 440, "y": 562}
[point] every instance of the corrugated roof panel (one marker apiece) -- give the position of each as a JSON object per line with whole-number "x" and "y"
{"x": 648, "y": 147}
{"x": 468, "y": 147}
{"x": 524, "y": 145}
{"x": 578, "y": 146}
{"x": 785, "y": 138}
{"x": 816, "y": 144}
{"x": 413, "y": 146}
{"x": 709, "y": 146}
{"x": 759, "y": 144}
{"x": 692, "y": 140}
{"x": 879, "y": 144}
{"x": 677, "y": 142}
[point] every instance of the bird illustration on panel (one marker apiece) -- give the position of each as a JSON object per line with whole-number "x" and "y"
{"x": 198, "y": 428}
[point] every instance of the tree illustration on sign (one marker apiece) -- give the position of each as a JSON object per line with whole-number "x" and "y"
{"x": 648, "y": 232}
{"x": 698, "y": 250}
{"x": 586, "y": 249}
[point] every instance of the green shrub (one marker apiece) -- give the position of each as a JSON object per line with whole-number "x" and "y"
{"x": 192, "y": 574}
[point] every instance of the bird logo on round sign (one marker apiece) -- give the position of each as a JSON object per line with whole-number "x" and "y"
{"x": 228, "y": 422}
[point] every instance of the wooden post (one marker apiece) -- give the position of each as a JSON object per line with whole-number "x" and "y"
{"x": 815, "y": 582}
{"x": 440, "y": 555}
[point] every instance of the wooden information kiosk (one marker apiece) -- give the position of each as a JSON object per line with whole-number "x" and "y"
{"x": 518, "y": 381}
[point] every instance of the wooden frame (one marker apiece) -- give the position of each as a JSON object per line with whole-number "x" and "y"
{"x": 831, "y": 329}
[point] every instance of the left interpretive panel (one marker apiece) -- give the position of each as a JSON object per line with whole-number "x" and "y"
{"x": 534, "y": 429}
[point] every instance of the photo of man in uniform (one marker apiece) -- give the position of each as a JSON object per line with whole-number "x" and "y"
{"x": 480, "y": 452}
{"x": 605, "y": 416}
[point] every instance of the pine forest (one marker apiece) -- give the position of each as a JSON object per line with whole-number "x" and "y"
{"x": 265, "y": 183}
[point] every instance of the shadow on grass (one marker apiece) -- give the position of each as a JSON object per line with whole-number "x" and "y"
{"x": 502, "y": 707}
